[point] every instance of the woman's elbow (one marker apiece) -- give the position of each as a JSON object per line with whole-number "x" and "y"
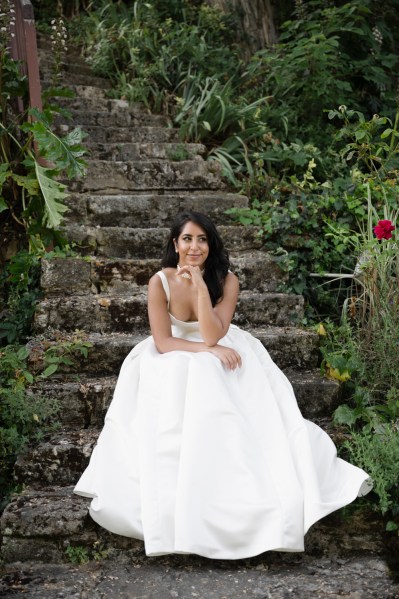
{"x": 211, "y": 340}
{"x": 162, "y": 345}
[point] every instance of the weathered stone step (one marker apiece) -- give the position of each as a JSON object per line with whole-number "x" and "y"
{"x": 125, "y": 118}
{"x": 149, "y": 209}
{"x": 72, "y": 78}
{"x": 118, "y": 152}
{"x": 148, "y": 175}
{"x": 83, "y": 403}
{"x": 127, "y": 242}
{"x": 40, "y": 525}
{"x": 124, "y": 313}
{"x": 91, "y": 99}
{"x": 87, "y": 93}
{"x": 145, "y": 134}
{"x": 291, "y": 348}
{"x": 58, "y": 461}
{"x": 66, "y": 66}
{"x": 87, "y": 276}
{"x": 61, "y": 459}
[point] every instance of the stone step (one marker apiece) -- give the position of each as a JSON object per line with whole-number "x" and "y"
{"x": 61, "y": 459}
{"x": 66, "y": 67}
{"x": 145, "y": 134}
{"x": 148, "y": 175}
{"x": 149, "y": 209}
{"x": 39, "y": 526}
{"x": 290, "y": 347}
{"x": 124, "y": 117}
{"x": 84, "y": 402}
{"x": 118, "y": 152}
{"x": 81, "y": 276}
{"x": 87, "y": 93}
{"x": 103, "y": 313}
{"x": 90, "y": 99}
{"x": 127, "y": 242}
{"x": 74, "y": 78}
{"x": 57, "y": 461}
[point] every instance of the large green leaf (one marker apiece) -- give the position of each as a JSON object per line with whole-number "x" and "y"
{"x": 65, "y": 152}
{"x": 52, "y": 191}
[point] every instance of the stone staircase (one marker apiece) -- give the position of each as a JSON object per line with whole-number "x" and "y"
{"x": 139, "y": 177}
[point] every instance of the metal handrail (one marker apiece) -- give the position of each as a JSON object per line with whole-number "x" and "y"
{"x": 24, "y": 49}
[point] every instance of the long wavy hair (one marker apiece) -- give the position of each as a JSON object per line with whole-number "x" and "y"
{"x": 217, "y": 263}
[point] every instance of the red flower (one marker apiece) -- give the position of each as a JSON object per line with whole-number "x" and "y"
{"x": 383, "y": 229}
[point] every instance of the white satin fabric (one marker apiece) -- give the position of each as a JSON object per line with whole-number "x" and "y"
{"x": 194, "y": 458}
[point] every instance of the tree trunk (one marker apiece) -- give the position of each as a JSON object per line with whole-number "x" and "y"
{"x": 257, "y": 17}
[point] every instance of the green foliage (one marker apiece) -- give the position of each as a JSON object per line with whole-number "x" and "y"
{"x": 328, "y": 55}
{"x": 77, "y": 554}
{"x": 20, "y": 284}
{"x": 151, "y": 50}
{"x": 208, "y": 113}
{"x": 295, "y": 221}
{"x": 178, "y": 154}
{"x": 377, "y": 452}
{"x": 33, "y": 160}
{"x": 315, "y": 228}
{"x": 30, "y": 189}
{"x": 371, "y": 145}
{"x": 25, "y": 414}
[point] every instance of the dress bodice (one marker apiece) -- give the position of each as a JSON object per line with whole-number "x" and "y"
{"x": 181, "y": 325}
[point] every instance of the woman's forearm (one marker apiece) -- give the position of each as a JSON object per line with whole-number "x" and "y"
{"x": 210, "y": 325}
{"x": 168, "y": 344}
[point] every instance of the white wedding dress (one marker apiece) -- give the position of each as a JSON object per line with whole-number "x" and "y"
{"x": 194, "y": 458}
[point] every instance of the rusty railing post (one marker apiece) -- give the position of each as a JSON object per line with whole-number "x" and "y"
{"x": 24, "y": 49}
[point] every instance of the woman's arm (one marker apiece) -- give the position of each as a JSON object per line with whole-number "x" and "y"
{"x": 214, "y": 322}
{"x": 162, "y": 333}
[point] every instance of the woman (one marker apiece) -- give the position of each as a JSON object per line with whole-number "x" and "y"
{"x": 204, "y": 449}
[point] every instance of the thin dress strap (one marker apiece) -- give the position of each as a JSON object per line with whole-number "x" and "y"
{"x": 165, "y": 284}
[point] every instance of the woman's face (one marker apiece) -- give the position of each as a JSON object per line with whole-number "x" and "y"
{"x": 192, "y": 245}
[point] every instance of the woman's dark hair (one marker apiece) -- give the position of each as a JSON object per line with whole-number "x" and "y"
{"x": 217, "y": 264}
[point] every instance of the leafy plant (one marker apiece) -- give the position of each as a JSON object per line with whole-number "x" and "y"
{"x": 20, "y": 284}
{"x": 178, "y": 153}
{"x": 208, "y": 113}
{"x": 77, "y": 554}
{"x": 31, "y": 191}
{"x": 150, "y": 50}
{"x": 328, "y": 55}
{"x": 33, "y": 160}
{"x": 377, "y": 452}
{"x": 25, "y": 415}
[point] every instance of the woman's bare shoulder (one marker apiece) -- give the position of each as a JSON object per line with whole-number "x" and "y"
{"x": 156, "y": 279}
{"x": 231, "y": 279}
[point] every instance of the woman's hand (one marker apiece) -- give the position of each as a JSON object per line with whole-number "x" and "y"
{"x": 227, "y": 355}
{"x": 194, "y": 273}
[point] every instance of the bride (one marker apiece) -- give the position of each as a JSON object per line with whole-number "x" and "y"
{"x": 204, "y": 449}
